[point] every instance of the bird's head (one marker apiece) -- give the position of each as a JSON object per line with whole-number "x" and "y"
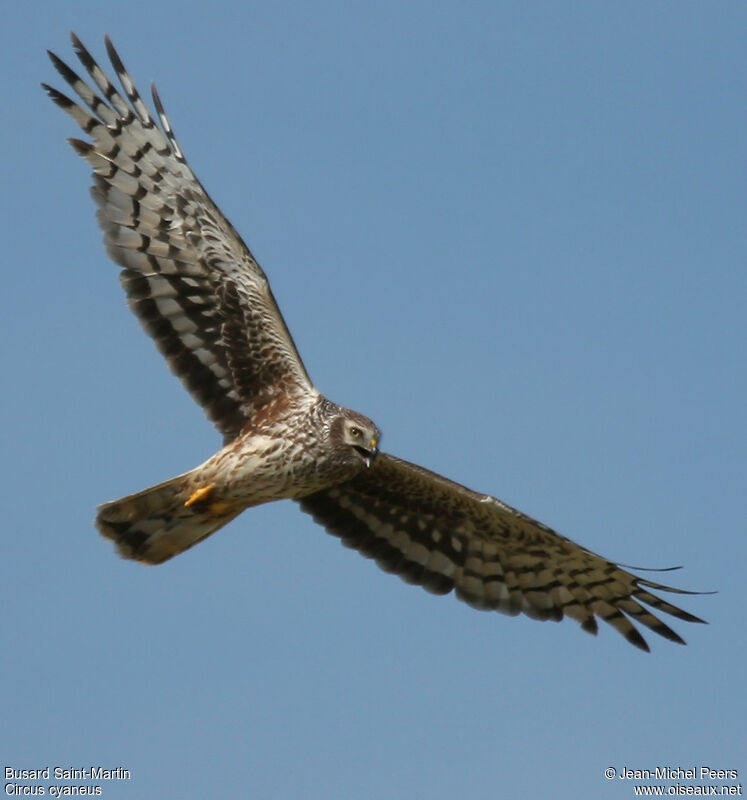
{"x": 362, "y": 436}
{"x": 355, "y": 438}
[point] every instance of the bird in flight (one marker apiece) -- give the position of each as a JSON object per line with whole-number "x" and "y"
{"x": 198, "y": 291}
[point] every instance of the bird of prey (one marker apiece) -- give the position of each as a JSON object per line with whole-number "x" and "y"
{"x": 199, "y": 292}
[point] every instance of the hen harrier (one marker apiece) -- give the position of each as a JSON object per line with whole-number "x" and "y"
{"x": 200, "y": 294}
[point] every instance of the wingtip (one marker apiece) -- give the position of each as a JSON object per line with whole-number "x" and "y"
{"x": 649, "y": 569}
{"x": 634, "y": 637}
{"x": 113, "y": 54}
{"x": 56, "y": 96}
{"x": 82, "y": 52}
{"x": 57, "y": 62}
{"x": 81, "y": 148}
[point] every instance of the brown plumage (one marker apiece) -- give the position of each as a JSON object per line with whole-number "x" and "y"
{"x": 199, "y": 292}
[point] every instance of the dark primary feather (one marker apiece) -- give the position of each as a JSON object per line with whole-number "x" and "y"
{"x": 189, "y": 277}
{"x": 433, "y": 532}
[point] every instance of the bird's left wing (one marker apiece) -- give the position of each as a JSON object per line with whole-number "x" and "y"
{"x": 189, "y": 277}
{"x": 433, "y": 532}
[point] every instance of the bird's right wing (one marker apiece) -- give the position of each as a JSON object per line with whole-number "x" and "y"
{"x": 189, "y": 277}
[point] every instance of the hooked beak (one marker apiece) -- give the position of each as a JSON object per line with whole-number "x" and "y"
{"x": 368, "y": 454}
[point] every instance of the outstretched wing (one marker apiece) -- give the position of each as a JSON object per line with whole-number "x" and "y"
{"x": 189, "y": 277}
{"x": 433, "y": 532}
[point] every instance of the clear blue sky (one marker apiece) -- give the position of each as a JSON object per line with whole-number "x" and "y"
{"x": 511, "y": 233}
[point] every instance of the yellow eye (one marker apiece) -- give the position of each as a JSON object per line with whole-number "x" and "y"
{"x": 356, "y": 433}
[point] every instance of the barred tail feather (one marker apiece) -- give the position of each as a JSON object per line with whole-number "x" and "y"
{"x": 159, "y": 523}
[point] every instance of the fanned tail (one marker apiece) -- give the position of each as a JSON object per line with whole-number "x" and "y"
{"x": 162, "y": 521}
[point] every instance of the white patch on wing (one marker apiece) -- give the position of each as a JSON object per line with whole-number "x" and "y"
{"x": 399, "y": 539}
{"x": 168, "y": 307}
{"x": 205, "y": 356}
{"x": 441, "y": 563}
{"x": 190, "y": 340}
{"x": 418, "y": 553}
